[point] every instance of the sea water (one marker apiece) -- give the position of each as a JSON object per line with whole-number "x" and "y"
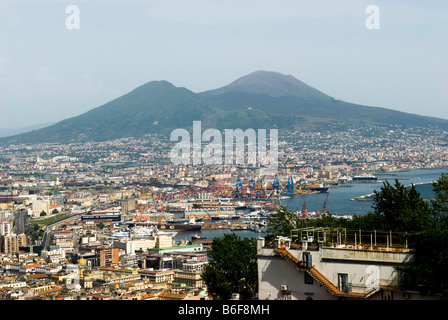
{"x": 338, "y": 200}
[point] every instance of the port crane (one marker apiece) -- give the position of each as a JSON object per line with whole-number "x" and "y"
{"x": 289, "y": 188}
{"x": 276, "y": 183}
{"x": 252, "y": 183}
{"x": 304, "y": 183}
{"x": 239, "y": 187}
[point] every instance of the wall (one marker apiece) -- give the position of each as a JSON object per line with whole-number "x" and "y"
{"x": 273, "y": 272}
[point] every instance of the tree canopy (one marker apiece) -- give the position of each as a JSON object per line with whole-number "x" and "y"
{"x": 399, "y": 208}
{"x": 440, "y": 202}
{"x": 232, "y": 267}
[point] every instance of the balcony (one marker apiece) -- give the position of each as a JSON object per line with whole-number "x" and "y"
{"x": 394, "y": 255}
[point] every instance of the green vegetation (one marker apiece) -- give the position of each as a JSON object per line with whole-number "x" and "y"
{"x": 233, "y": 267}
{"x": 149, "y": 108}
{"x": 46, "y": 221}
{"x": 34, "y": 232}
{"x": 35, "y": 229}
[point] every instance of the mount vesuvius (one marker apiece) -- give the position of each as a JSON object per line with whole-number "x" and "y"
{"x": 261, "y": 99}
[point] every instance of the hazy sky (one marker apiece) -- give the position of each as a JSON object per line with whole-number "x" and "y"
{"x": 49, "y": 72}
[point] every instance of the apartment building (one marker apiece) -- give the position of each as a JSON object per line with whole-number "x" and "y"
{"x": 191, "y": 278}
{"x": 11, "y": 243}
{"x": 5, "y": 227}
{"x": 315, "y": 269}
{"x": 157, "y": 276}
{"x": 107, "y": 256}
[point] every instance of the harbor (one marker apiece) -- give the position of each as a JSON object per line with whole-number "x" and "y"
{"x": 205, "y": 216}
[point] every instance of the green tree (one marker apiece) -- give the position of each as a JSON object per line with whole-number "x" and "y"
{"x": 281, "y": 222}
{"x": 325, "y": 220}
{"x": 440, "y": 202}
{"x": 426, "y": 271}
{"x": 232, "y": 267}
{"x": 369, "y": 221}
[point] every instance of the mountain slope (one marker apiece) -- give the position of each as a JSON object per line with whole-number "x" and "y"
{"x": 261, "y": 99}
{"x": 270, "y": 83}
{"x": 296, "y": 103}
{"x": 148, "y": 108}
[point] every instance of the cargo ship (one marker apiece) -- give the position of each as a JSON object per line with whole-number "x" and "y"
{"x": 190, "y": 225}
{"x": 172, "y": 225}
{"x": 318, "y": 188}
{"x": 209, "y": 211}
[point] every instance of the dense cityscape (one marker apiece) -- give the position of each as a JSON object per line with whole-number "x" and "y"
{"x": 97, "y": 220}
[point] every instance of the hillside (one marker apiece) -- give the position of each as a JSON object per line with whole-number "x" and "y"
{"x": 148, "y": 108}
{"x": 261, "y": 99}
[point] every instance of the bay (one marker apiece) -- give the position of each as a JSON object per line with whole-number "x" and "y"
{"x": 338, "y": 200}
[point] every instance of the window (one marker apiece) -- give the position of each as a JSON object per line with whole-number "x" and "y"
{"x": 308, "y": 259}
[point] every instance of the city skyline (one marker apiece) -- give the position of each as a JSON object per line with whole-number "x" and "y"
{"x": 50, "y": 72}
{"x": 223, "y": 150}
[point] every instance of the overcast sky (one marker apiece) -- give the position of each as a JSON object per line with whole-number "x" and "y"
{"x": 49, "y": 72}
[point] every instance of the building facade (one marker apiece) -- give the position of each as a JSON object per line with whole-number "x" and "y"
{"x": 314, "y": 270}
{"x": 11, "y": 243}
{"x": 107, "y": 256}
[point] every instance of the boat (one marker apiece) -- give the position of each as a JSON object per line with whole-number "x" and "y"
{"x": 225, "y": 217}
{"x": 197, "y": 237}
{"x": 345, "y": 179}
{"x": 185, "y": 220}
{"x": 179, "y": 227}
{"x": 316, "y": 187}
{"x": 253, "y": 215}
{"x": 319, "y": 189}
{"x": 209, "y": 211}
{"x": 258, "y": 227}
{"x": 140, "y": 232}
{"x": 239, "y": 227}
{"x": 190, "y": 225}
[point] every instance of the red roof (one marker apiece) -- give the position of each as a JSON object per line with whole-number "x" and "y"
{"x": 28, "y": 266}
{"x": 37, "y": 275}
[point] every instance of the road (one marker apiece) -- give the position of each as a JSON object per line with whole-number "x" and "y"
{"x": 20, "y": 221}
{"x": 53, "y": 226}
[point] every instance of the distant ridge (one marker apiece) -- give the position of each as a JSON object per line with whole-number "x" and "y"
{"x": 262, "y": 99}
{"x": 6, "y": 132}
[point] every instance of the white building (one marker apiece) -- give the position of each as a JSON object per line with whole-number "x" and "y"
{"x": 330, "y": 271}
{"x": 39, "y": 206}
{"x": 5, "y": 227}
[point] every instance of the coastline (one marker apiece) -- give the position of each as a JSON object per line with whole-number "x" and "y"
{"x": 342, "y": 199}
{"x": 368, "y": 197}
